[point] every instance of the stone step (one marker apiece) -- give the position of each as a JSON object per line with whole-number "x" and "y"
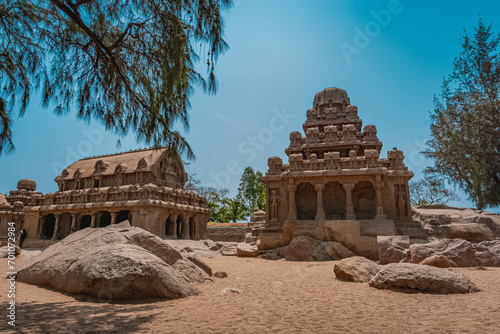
{"x": 418, "y": 241}
{"x": 416, "y": 233}
{"x": 409, "y": 224}
{"x": 305, "y": 228}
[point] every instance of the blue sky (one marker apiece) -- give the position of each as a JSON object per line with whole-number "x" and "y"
{"x": 282, "y": 53}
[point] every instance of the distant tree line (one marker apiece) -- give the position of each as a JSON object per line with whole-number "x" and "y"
{"x": 251, "y": 195}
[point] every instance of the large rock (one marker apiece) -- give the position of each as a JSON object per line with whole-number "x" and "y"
{"x": 302, "y": 248}
{"x": 488, "y": 253}
{"x": 4, "y": 251}
{"x": 200, "y": 263}
{"x": 439, "y": 261}
{"x": 118, "y": 261}
{"x": 331, "y": 250}
{"x": 356, "y": 269}
{"x": 459, "y": 251}
{"x": 473, "y": 232}
{"x": 247, "y": 250}
{"x": 448, "y": 222}
{"x": 419, "y": 278}
{"x": 392, "y": 249}
{"x": 305, "y": 248}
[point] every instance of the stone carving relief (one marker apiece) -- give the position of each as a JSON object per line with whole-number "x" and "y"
{"x": 275, "y": 203}
{"x": 142, "y": 164}
{"x": 100, "y": 167}
{"x": 401, "y": 200}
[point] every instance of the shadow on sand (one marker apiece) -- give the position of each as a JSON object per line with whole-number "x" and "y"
{"x": 85, "y": 315}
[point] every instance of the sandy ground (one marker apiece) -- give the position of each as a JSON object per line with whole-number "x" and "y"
{"x": 276, "y": 297}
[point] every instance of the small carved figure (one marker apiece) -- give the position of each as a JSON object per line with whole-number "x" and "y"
{"x": 275, "y": 202}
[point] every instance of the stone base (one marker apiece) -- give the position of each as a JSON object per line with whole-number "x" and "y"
{"x": 247, "y": 250}
{"x": 271, "y": 240}
{"x": 358, "y": 235}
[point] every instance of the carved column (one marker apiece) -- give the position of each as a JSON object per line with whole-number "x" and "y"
{"x": 3, "y": 229}
{"x": 113, "y": 217}
{"x": 74, "y": 217}
{"x": 93, "y": 221}
{"x": 56, "y": 227}
{"x": 379, "y": 187}
{"x": 349, "y": 210}
{"x": 320, "y": 209}
{"x": 174, "y": 225}
{"x": 194, "y": 227}
{"x": 292, "y": 211}
{"x": 185, "y": 226}
{"x": 39, "y": 227}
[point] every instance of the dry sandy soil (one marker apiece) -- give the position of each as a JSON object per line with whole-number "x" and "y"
{"x": 276, "y": 297}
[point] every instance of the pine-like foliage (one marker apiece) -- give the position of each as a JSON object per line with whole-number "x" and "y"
{"x": 129, "y": 64}
{"x": 252, "y": 190}
{"x": 465, "y": 129}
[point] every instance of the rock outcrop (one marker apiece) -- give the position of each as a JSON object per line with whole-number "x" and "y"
{"x": 115, "y": 262}
{"x": 461, "y": 252}
{"x": 392, "y": 249}
{"x": 356, "y": 269}
{"x": 442, "y": 221}
{"x": 4, "y": 251}
{"x": 247, "y": 250}
{"x": 305, "y": 248}
{"x": 439, "y": 261}
{"x": 420, "y": 278}
{"x": 488, "y": 253}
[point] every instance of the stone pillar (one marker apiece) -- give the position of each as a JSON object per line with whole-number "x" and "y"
{"x": 320, "y": 209}
{"x": 292, "y": 211}
{"x": 185, "y": 226}
{"x": 113, "y": 217}
{"x": 74, "y": 218}
{"x": 349, "y": 210}
{"x": 3, "y": 229}
{"x": 172, "y": 228}
{"x": 40, "y": 227}
{"x": 93, "y": 221}
{"x": 56, "y": 227}
{"x": 379, "y": 187}
{"x": 194, "y": 227}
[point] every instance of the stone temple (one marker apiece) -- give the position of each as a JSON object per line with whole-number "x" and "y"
{"x": 336, "y": 186}
{"x": 143, "y": 186}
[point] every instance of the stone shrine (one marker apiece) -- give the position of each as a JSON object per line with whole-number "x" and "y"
{"x": 336, "y": 187}
{"x": 142, "y": 186}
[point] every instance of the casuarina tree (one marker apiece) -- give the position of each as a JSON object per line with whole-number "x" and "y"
{"x": 465, "y": 129}
{"x": 130, "y": 65}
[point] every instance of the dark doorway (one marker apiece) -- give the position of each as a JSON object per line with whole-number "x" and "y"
{"x": 48, "y": 226}
{"x": 85, "y": 222}
{"x": 305, "y": 198}
{"x": 191, "y": 229}
{"x": 105, "y": 219}
{"x": 123, "y": 216}
{"x": 334, "y": 201}
{"x": 168, "y": 226}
